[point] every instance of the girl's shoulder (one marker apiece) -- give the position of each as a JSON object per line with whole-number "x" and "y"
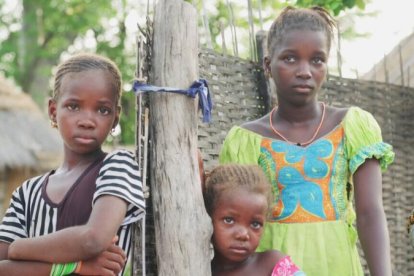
{"x": 335, "y": 115}
{"x": 120, "y": 154}
{"x": 259, "y": 126}
{"x": 35, "y": 181}
{"x": 347, "y": 116}
{"x": 120, "y": 159}
{"x": 268, "y": 259}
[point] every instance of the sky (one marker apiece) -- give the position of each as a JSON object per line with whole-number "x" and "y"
{"x": 393, "y": 22}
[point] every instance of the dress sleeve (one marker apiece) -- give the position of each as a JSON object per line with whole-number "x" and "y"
{"x": 240, "y": 146}
{"x": 14, "y": 224}
{"x": 364, "y": 140}
{"x": 285, "y": 267}
{"x": 120, "y": 177}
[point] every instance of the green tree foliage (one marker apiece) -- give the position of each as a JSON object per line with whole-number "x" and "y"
{"x": 336, "y": 6}
{"x": 228, "y": 12}
{"x": 40, "y": 31}
{"x": 34, "y": 34}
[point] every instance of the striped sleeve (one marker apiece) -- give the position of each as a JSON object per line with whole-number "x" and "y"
{"x": 16, "y": 221}
{"x": 13, "y": 224}
{"x": 120, "y": 177}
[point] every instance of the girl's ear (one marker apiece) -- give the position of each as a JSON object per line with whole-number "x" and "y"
{"x": 117, "y": 116}
{"x": 266, "y": 67}
{"x": 52, "y": 109}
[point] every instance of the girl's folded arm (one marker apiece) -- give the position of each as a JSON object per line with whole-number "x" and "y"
{"x": 77, "y": 242}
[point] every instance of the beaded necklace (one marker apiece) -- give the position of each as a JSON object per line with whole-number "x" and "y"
{"x": 298, "y": 143}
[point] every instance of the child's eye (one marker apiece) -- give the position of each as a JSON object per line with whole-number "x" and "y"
{"x": 318, "y": 60}
{"x": 289, "y": 59}
{"x": 228, "y": 220}
{"x": 104, "y": 110}
{"x": 72, "y": 107}
{"x": 256, "y": 225}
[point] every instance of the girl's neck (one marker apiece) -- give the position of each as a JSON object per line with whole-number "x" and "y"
{"x": 299, "y": 114}
{"x": 72, "y": 160}
{"x": 221, "y": 267}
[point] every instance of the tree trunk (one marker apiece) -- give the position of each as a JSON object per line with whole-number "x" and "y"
{"x": 182, "y": 226}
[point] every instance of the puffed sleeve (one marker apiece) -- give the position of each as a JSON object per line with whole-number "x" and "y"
{"x": 364, "y": 140}
{"x": 240, "y": 146}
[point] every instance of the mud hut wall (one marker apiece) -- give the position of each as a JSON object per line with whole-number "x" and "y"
{"x": 236, "y": 98}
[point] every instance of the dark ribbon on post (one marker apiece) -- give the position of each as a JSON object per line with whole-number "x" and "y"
{"x": 199, "y": 87}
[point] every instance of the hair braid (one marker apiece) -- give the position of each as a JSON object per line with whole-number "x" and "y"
{"x": 314, "y": 19}
{"x": 85, "y": 62}
{"x": 235, "y": 176}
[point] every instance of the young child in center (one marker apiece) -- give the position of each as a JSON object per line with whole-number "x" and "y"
{"x": 237, "y": 198}
{"x": 77, "y": 218}
{"x": 318, "y": 158}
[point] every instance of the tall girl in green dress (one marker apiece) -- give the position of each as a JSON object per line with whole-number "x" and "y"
{"x": 320, "y": 159}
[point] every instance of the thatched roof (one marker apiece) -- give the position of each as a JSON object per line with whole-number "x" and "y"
{"x": 26, "y": 138}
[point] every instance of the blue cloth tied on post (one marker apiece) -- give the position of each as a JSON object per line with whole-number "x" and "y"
{"x": 199, "y": 87}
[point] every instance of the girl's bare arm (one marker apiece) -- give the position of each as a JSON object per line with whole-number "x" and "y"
{"x": 371, "y": 220}
{"x": 78, "y": 242}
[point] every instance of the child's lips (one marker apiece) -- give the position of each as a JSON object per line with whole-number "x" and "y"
{"x": 303, "y": 88}
{"x": 85, "y": 139}
{"x": 239, "y": 249}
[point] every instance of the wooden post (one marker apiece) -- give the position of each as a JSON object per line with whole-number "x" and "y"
{"x": 233, "y": 29}
{"x": 339, "y": 52}
{"x": 401, "y": 64}
{"x": 267, "y": 88}
{"x": 182, "y": 226}
{"x": 386, "y": 79}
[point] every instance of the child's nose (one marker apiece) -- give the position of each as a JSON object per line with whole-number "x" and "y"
{"x": 86, "y": 121}
{"x": 242, "y": 233}
{"x": 304, "y": 70}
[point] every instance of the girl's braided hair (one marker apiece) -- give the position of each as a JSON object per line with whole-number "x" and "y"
{"x": 85, "y": 62}
{"x": 232, "y": 177}
{"x": 314, "y": 19}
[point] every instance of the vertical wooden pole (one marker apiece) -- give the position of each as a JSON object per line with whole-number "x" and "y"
{"x": 408, "y": 76}
{"x": 266, "y": 90}
{"x": 233, "y": 29}
{"x": 401, "y": 64}
{"x": 182, "y": 226}
{"x": 223, "y": 39}
{"x": 339, "y": 52}
{"x": 386, "y": 80}
{"x": 207, "y": 26}
{"x": 251, "y": 31}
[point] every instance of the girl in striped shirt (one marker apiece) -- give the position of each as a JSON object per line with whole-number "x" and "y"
{"x": 77, "y": 218}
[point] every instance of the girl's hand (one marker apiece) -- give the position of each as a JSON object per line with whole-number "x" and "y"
{"x": 108, "y": 263}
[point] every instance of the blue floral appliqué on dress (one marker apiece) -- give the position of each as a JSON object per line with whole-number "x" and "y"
{"x": 302, "y": 190}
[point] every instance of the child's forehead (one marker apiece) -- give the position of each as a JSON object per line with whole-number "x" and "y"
{"x": 86, "y": 73}
{"x": 87, "y": 77}
{"x": 243, "y": 204}
{"x": 302, "y": 39}
{"x": 303, "y": 35}
{"x": 87, "y": 82}
{"x": 239, "y": 195}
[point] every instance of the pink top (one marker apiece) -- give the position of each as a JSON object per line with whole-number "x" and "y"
{"x": 285, "y": 267}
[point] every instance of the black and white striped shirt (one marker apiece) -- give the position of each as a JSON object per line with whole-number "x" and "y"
{"x": 31, "y": 214}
